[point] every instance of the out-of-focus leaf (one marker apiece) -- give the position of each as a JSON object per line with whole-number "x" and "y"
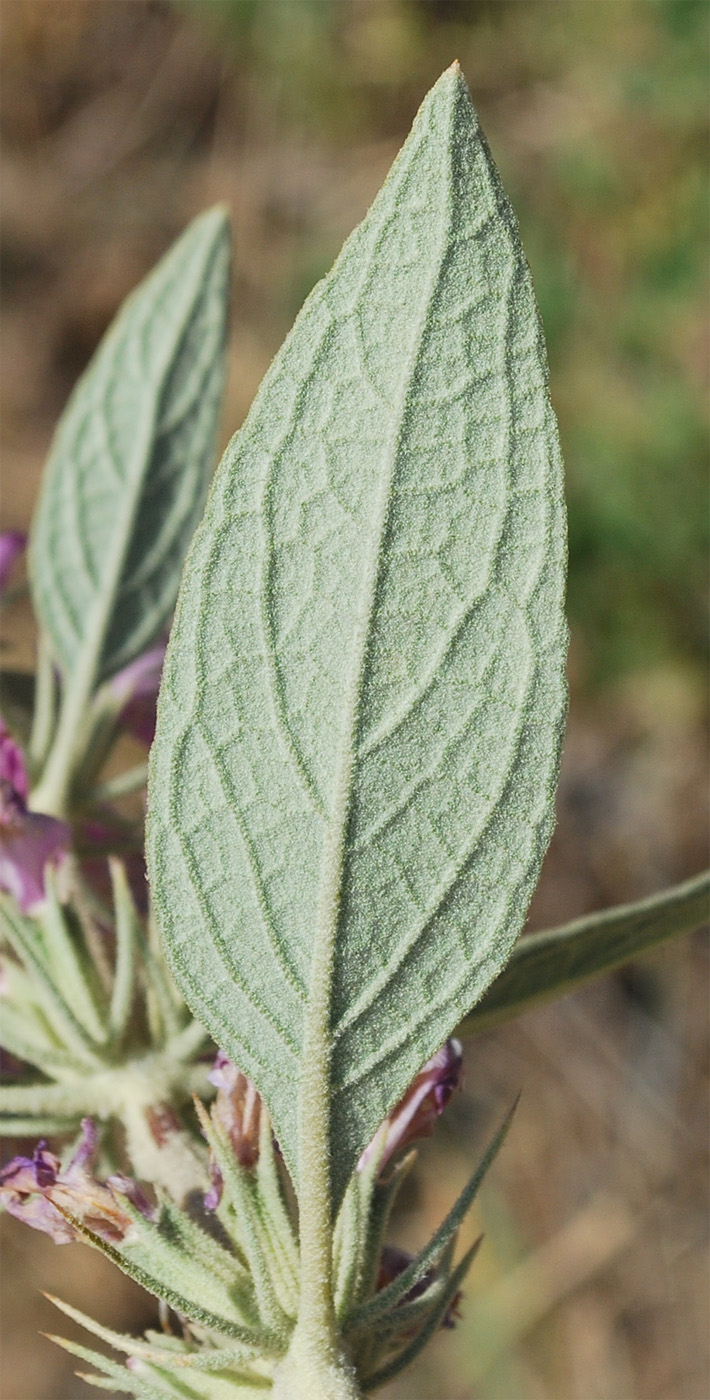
{"x": 131, "y": 461}
{"x": 549, "y": 964}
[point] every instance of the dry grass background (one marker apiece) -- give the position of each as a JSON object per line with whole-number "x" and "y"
{"x": 122, "y": 118}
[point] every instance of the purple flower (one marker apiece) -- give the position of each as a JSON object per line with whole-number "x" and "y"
{"x": 425, "y": 1100}
{"x": 22, "y": 1185}
{"x": 29, "y": 841}
{"x": 125, "y": 1186}
{"x": 12, "y": 543}
{"x": 38, "y": 1192}
{"x": 136, "y": 689}
{"x": 237, "y": 1108}
{"x": 12, "y": 765}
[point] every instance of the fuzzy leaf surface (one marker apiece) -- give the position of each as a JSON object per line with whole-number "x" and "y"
{"x": 363, "y": 700}
{"x": 131, "y": 460}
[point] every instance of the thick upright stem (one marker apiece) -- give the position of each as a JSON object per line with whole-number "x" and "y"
{"x": 308, "y": 1375}
{"x": 159, "y": 1149}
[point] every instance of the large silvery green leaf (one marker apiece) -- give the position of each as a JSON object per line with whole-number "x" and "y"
{"x": 359, "y": 725}
{"x": 131, "y": 462}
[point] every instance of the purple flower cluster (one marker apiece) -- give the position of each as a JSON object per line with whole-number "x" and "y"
{"x": 237, "y": 1107}
{"x": 29, "y": 841}
{"x": 38, "y": 1192}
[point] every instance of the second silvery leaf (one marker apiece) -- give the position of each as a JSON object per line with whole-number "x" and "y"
{"x": 360, "y": 720}
{"x": 131, "y": 461}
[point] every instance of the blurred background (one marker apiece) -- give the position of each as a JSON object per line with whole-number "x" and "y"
{"x": 122, "y": 119}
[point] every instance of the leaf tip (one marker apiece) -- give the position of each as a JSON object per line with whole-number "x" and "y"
{"x": 511, "y": 1112}
{"x": 451, "y": 93}
{"x": 455, "y": 75}
{"x": 217, "y": 218}
{"x": 473, "y": 1249}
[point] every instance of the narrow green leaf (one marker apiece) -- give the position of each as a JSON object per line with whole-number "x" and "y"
{"x": 164, "y": 1384}
{"x": 347, "y": 1240}
{"x": 36, "y": 1127}
{"x": 165, "y": 1339}
{"x": 122, "y": 1380}
{"x": 277, "y": 1227}
{"x": 242, "y": 1188}
{"x": 160, "y": 1269}
{"x": 389, "y": 1297}
{"x": 229, "y": 1267}
{"x": 22, "y": 1041}
{"x": 360, "y": 720}
{"x": 409, "y": 1354}
{"x": 197, "y": 1243}
{"x": 22, "y": 937}
{"x": 355, "y": 1226}
{"x": 211, "y": 1360}
{"x": 123, "y": 783}
{"x": 136, "y": 1346}
{"x": 61, "y": 1100}
{"x": 73, "y": 976}
{"x": 218, "y": 1385}
{"x": 186, "y": 1045}
{"x": 98, "y": 1382}
{"x": 166, "y": 1009}
{"x": 403, "y": 1319}
{"x": 44, "y": 705}
{"x": 131, "y": 461}
{"x": 128, "y": 937}
{"x": 133, "y": 1346}
{"x": 383, "y": 1199}
{"x": 203, "y": 1360}
{"x": 550, "y": 964}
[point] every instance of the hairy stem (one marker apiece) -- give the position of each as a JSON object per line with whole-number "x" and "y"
{"x": 52, "y": 793}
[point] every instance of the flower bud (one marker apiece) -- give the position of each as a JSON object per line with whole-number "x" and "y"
{"x": 425, "y": 1100}
{"x": 237, "y": 1109}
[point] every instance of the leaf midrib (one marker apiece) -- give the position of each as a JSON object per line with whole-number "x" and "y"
{"x": 317, "y": 1022}
{"x": 133, "y": 480}
{"x": 137, "y": 477}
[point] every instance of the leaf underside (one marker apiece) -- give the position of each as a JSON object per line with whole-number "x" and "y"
{"x": 131, "y": 460}
{"x": 363, "y": 701}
